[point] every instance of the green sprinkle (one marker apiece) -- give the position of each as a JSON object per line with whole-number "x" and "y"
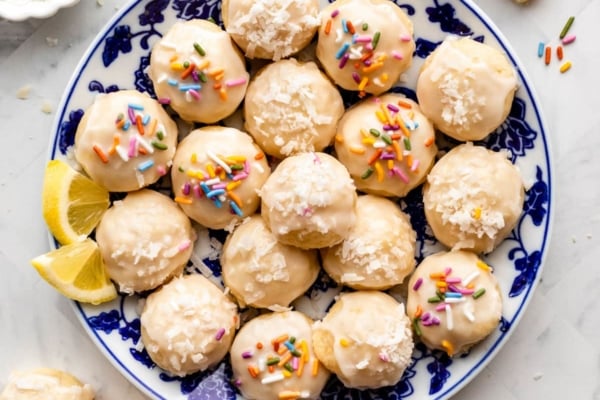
{"x": 292, "y": 340}
{"x": 296, "y": 353}
{"x": 199, "y": 49}
{"x": 120, "y": 116}
{"x": 160, "y": 135}
{"x": 202, "y": 77}
{"x": 440, "y": 294}
{"x": 417, "y": 327}
{"x": 374, "y": 132}
{"x": 273, "y": 361}
{"x": 479, "y": 293}
{"x": 565, "y": 30}
{"x": 289, "y": 367}
{"x": 211, "y": 19}
{"x": 367, "y": 173}
{"x": 180, "y": 169}
{"x": 386, "y": 139}
{"x": 236, "y": 167}
{"x": 159, "y": 145}
{"x": 434, "y": 299}
{"x": 365, "y": 26}
{"x": 407, "y": 144}
{"x": 375, "y": 40}
{"x": 186, "y": 64}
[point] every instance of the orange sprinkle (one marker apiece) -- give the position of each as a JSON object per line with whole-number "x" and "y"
{"x": 236, "y": 199}
{"x": 271, "y": 369}
{"x": 315, "y": 367}
{"x": 328, "y": 27}
{"x": 339, "y": 138}
{"x": 429, "y": 141}
{"x": 448, "y": 347}
{"x": 548, "y": 55}
{"x": 281, "y": 349}
{"x": 203, "y": 64}
{"x": 373, "y": 67}
{"x": 419, "y": 311}
{"x": 217, "y": 86}
{"x": 183, "y": 200}
{"x": 357, "y": 149}
{"x": 288, "y": 395}
{"x": 121, "y": 123}
{"x": 384, "y": 77}
{"x": 437, "y": 275}
{"x": 116, "y": 142}
{"x": 559, "y": 52}
{"x": 188, "y": 71}
{"x": 374, "y": 157}
{"x": 356, "y": 65}
{"x": 471, "y": 286}
{"x": 259, "y": 345}
{"x": 153, "y": 125}
{"x": 223, "y": 94}
{"x": 216, "y": 72}
{"x": 396, "y": 136}
{"x": 285, "y": 359}
{"x": 409, "y": 160}
{"x": 142, "y": 151}
{"x": 398, "y": 150}
{"x": 253, "y": 370}
{"x": 259, "y": 156}
{"x": 404, "y": 104}
{"x": 100, "y": 154}
{"x": 300, "y": 366}
{"x": 350, "y": 27}
{"x": 366, "y": 56}
{"x": 403, "y": 128}
{"x": 280, "y": 339}
{"x": 441, "y": 284}
{"x": 173, "y": 58}
{"x": 443, "y": 290}
{"x": 139, "y": 124}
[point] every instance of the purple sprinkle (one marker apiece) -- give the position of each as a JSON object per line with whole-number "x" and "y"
{"x": 435, "y": 321}
{"x": 393, "y": 108}
{"x": 418, "y": 284}
{"x": 186, "y": 189}
{"x": 197, "y": 191}
{"x": 343, "y": 61}
{"x": 426, "y": 323}
{"x": 387, "y": 156}
{"x": 426, "y": 316}
{"x": 195, "y": 76}
{"x": 368, "y": 62}
{"x": 356, "y": 77}
{"x": 131, "y": 114}
{"x": 247, "y": 354}
{"x": 220, "y": 334}
{"x": 335, "y": 13}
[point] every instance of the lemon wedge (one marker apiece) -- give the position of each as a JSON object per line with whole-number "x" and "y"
{"x": 77, "y": 271}
{"x": 72, "y": 203}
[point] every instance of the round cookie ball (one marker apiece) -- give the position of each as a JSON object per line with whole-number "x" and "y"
{"x": 44, "y": 384}
{"x": 365, "y": 339}
{"x": 116, "y": 150}
{"x": 144, "y": 239}
{"x": 466, "y": 88}
{"x": 218, "y": 171}
{"x": 473, "y": 198}
{"x": 387, "y": 144}
{"x": 261, "y": 272}
{"x": 197, "y": 69}
{"x": 379, "y": 251}
{"x": 271, "y": 29}
{"x": 468, "y": 312}
{"x": 376, "y": 35}
{"x": 292, "y": 107}
{"x": 274, "y": 331}
{"x": 309, "y": 201}
{"x": 188, "y": 325}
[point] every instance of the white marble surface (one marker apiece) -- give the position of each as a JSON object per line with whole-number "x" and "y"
{"x": 553, "y": 353}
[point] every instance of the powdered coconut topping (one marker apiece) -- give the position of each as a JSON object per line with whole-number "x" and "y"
{"x": 461, "y": 105}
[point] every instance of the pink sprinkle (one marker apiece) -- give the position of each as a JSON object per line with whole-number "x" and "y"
{"x": 363, "y": 39}
{"x": 397, "y": 55}
{"x": 447, "y": 271}
{"x": 356, "y": 77}
{"x": 235, "y": 82}
{"x": 161, "y": 170}
{"x": 393, "y": 107}
{"x": 418, "y": 284}
{"x": 343, "y": 61}
{"x": 247, "y": 354}
{"x": 435, "y": 321}
{"x": 164, "y": 100}
{"x": 186, "y": 188}
{"x": 246, "y": 167}
{"x": 197, "y": 191}
{"x": 240, "y": 176}
{"x": 440, "y": 307}
{"x": 453, "y": 279}
{"x": 400, "y": 174}
{"x": 307, "y": 212}
{"x": 220, "y": 334}
{"x": 238, "y": 382}
{"x": 295, "y": 363}
{"x": 316, "y": 159}
{"x": 335, "y": 13}
{"x": 425, "y": 316}
{"x": 405, "y": 38}
{"x": 569, "y": 39}
{"x": 414, "y": 166}
{"x": 185, "y": 245}
{"x": 132, "y": 147}
{"x": 217, "y": 186}
{"x": 369, "y": 46}
{"x": 384, "y": 357}
{"x": 194, "y": 93}
{"x": 131, "y": 114}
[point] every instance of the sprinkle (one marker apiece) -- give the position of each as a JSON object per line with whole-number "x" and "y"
{"x": 335, "y": 13}
{"x": 285, "y": 359}
{"x": 186, "y": 189}
{"x": 479, "y": 293}
{"x": 159, "y": 145}
{"x": 386, "y": 139}
{"x": 273, "y": 378}
{"x": 566, "y": 28}
{"x": 195, "y": 94}
{"x": 137, "y": 107}
{"x": 453, "y": 279}
{"x": 356, "y": 77}
{"x": 374, "y": 132}
{"x": 415, "y": 165}
{"x": 199, "y": 49}
{"x": 448, "y": 347}
{"x": 405, "y": 38}
{"x": 548, "y": 55}
{"x": 343, "y": 49}
{"x": 365, "y": 26}
{"x": 194, "y": 86}
{"x": 273, "y": 361}
{"x": 146, "y": 165}
{"x": 397, "y": 150}
{"x": 376, "y": 38}
{"x": 357, "y": 149}
{"x": 215, "y": 193}
{"x": 367, "y": 174}
{"x": 363, "y": 83}
{"x": 374, "y": 157}
{"x": 253, "y": 370}
{"x": 315, "y": 367}
{"x": 418, "y": 284}
{"x": 343, "y": 61}
{"x": 379, "y": 171}
{"x": 569, "y": 39}
{"x": 407, "y": 145}
{"x": 259, "y": 345}
{"x": 449, "y": 319}
{"x": 416, "y": 327}
{"x": 188, "y": 71}
{"x": 300, "y": 368}
{"x": 100, "y": 154}
{"x": 565, "y": 67}
{"x": 145, "y": 144}
{"x": 220, "y": 334}
{"x": 419, "y": 311}
{"x": 184, "y": 245}
{"x": 468, "y": 314}
{"x": 288, "y": 395}
{"x": 559, "y": 53}
{"x": 541, "y": 47}
{"x": 483, "y": 266}
{"x": 218, "y": 161}
{"x": 122, "y": 153}
{"x": 440, "y": 307}
{"x": 235, "y": 82}
{"x": 344, "y": 342}
{"x": 470, "y": 278}
{"x": 434, "y": 299}
{"x": 401, "y": 174}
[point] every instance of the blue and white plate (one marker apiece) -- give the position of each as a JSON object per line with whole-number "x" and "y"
{"x": 118, "y": 59}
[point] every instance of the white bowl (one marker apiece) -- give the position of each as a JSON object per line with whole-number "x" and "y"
{"x": 19, "y": 10}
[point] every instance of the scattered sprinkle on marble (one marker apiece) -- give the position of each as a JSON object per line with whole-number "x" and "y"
{"x": 537, "y": 376}
{"x": 51, "y": 41}
{"x": 23, "y": 92}
{"x": 47, "y": 107}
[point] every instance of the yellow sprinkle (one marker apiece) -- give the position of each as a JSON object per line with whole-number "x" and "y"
{"x": 153, "y": 126}
{"x": 211, "y": 170}
{"x": 477, "y": 213}
{"x": 234, "y": 159}
{"x": 173, "y": 58}
{"x": 216, "y": 72}
{"x": 315, "y": 367}
{"x": 386, "y": 112}
{"x": 194, "y": 158}
{"x": 565, "y": 67}
{"x": 203, "y": 64}
{"x": 363, "y": 83}
{"x": 286, "y": 373}
{"x": 483, "y": 266}
{"x": 232, "y": 185}
{"x": 344, "y": 342}
{"x": 194, "y": 174}
{"x": 380, "y": 116}
{"x": 384, "y": 77}
{"x": 364, "y": 133}
{"x": 390, "y": 164}
{"x": 339, "y": 138}
{"x": 183, "y": 200}
{"x": 379, "y": 171}
{"x": 357, "y": 149}
{"x": 448, "y": 347}
{"x": 373, "y": 67}
{"x": 368, "y": 141}
{"x": 305, "y": 353}
{"x": 300, "y": 369}
{"x": 177, "y": 66}
{"x": 441, "y": 284}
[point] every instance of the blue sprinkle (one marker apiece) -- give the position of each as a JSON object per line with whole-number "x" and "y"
{"x": 541, "y": 49}
{"x": 344, "y": 26}
{"x": 185, "y": 88}
{"x": 126, "y": 125}
{"x": 146, "y": 119}
{"x": 136, "y": 107}
{"x": 172, "y": 82}
{"x": 144, "y": 166}
{"x": 236, "y": 209}
{"x": 289, "y": 345}
{"x": 342, "y": 50}
{"x": 218, "y": 203}
{"x": 455, "y": 295}
{"x": 204, "y": 187}
{"x": 215, "y": 193}
{"x": 354, "y": 38}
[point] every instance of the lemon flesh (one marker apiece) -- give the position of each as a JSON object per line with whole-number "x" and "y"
{"x": 72, "y": 203}
{"x": 77, "y": 271}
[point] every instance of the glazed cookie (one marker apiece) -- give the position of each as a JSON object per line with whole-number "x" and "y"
{"x": 292, "y": 107}
{"x": 379, "y": 251}
{"x": 309, "y": 201}
{"x": 45, "y": 384}
{"x": 365, "y": 45}
{"x": 271, "y": 29}
{"x": 261, "y": 272}
{"x": 387, "y": 144}
{"x": 197, "y": 69}
{"x": 218, "y": 171}
{"x": 125, "y": 141}
{"x": 466, "y": 88}
{"x": 454, "y": 301}
{"x": 188, "y": 325}
{"x": 365, "y": 339}
{"x": 272, "y": 358}
{"x": 473, "y": 198}
{"x": 144, "y": 239}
